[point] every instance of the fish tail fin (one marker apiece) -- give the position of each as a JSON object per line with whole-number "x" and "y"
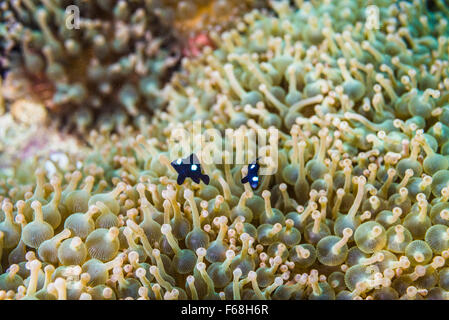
{"x": 245, "y": 179}
{"x": 205, "y": 178}
{"x": 195, "y": 179}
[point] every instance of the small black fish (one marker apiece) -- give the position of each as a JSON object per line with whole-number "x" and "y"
{"x": 189, "y": 167}
{"x": 253, "y": 174}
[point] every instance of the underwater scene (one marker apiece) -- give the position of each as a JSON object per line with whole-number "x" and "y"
{"x": 224, "y": 150}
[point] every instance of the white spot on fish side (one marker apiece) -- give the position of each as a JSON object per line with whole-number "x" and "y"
{"x": 194, "y": 167}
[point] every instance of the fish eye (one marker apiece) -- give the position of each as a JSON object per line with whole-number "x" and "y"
{"x": 194, "y": 167}
{"x": 255, "y": 178}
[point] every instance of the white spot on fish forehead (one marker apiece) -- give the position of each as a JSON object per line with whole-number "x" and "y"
{"x": 179, "y": 161}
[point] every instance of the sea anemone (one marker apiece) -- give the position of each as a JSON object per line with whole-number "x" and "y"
{"x": 357, "y": 208}
{"x": 74, "y": 70}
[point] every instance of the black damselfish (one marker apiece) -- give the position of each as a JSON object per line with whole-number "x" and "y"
{"x": 253, "y": 175}
{"x": 189, "y": 167}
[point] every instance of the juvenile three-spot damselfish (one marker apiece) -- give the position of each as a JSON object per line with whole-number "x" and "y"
{"x": 253, "y": 174}
{"x": 189, "y": 167}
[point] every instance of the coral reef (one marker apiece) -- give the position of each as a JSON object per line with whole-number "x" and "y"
{"x": 78, "y": 72}
{"x": 358, "y": 208}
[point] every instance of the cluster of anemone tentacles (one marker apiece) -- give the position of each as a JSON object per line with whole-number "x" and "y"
{"x": 78, "y": 72}
{"x": 360, "y": 233}
{"x": 358, "y": 208}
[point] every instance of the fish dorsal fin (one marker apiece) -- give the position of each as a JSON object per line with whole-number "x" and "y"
{"x": 194, "y": 159}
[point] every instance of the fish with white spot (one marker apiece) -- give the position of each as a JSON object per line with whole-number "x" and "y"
{"x": 253, "y": 174}
{"x": 189, "y": 167}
